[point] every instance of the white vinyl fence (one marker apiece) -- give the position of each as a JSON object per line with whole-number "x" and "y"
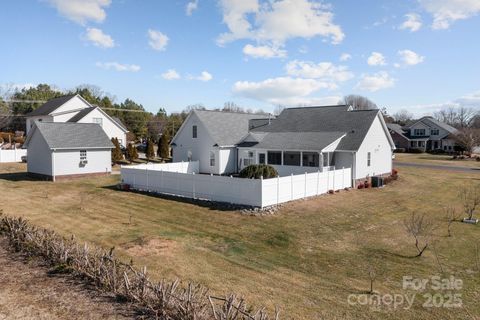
{"x": 185, "y": 181}
{"x": 12, "y": 155}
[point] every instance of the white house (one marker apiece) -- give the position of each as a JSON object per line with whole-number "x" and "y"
{"x": 211, "y": 138}
{"x": 426, "y": 134}
{"x": 299, "y": 140}
{"x": 73, "y": 108}
{"x": 57, "y": 150}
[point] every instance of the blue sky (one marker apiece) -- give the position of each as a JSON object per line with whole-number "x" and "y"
{"x": 415, "y": 54}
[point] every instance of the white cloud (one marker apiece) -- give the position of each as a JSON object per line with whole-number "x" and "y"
{"x": 445, "y": 12}
{"x": 275, "y": 22}
{"x": 99, "y": 39}
{"x": 171, "y": 74}
{"x": 265, "y": 52}
{"x": 469, "y": 101}
{"x": 409, "y": 58}
{"x": 374, "y": 82}
{"x": 82, "y": 11}
{"x": 345, "y": 57}
{"x": 157, "y": 40}
{"x": 118, "y": 66}
{"x": 191, "y": 6}
{"x": 376, "y": 59}
{"x": 325, "y": 71}
{"x": 413, "y": 22}
{"x": 205, "y": 76}
{"x": 278, "y": 90}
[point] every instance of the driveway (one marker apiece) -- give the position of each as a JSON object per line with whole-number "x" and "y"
{"x": 435, "y": 166}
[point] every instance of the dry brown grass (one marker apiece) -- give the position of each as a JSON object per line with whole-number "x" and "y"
{"x": 307, "y": 258}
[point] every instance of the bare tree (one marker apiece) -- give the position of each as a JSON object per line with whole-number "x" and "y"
{"x": 468, "y": 139}
{"x": 278, "y": 109}
{"x": 358, "y": 102}
{"x": 402, "y": 116}
{"x": 420, "y": 228}
{"x": 470, "y": 197}
{"x": 230, "y": 106}
{"x": 451, "y": 215}
{"x": 465, "y": 116}
{"x": 447, "y": 115}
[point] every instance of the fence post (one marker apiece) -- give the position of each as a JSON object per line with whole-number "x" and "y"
{"x": 193, "y": 184}
{"x": 305, "y": 187}
{"x": 146, "y": 173}
{"x": 318, "y": 181}
{"x": 334, "y": 173}
{"x": 343, "y": 177}
{"x": 278, "y": 189}
{"x": 291, "y": 186}
{"x": 161, "y": 180}
{"x": 261, "y": 191}
{"x": 328, "y": 180}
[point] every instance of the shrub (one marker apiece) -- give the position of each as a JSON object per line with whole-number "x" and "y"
{"x": 257, "y": 171}
{"x": 163, "y": 145}
{"x": 399, "y": 150}
{"x": 361, "y": 185}
{"x": 116, "y": 152}
{"x": 150, "y": 151}
{"x": 367, "y": 184}
{"x": 477, "y": 158}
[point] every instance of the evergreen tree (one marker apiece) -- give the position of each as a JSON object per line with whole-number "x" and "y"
{"x": 163, "y": 145}
{"x": 132, "y": 153}
{"x": 116, "y": 152}
{"x": 150, "y": 151}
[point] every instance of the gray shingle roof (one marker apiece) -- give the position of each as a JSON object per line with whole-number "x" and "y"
{"x": 333, "y": 119}
{"x": 226, "y": 128}
{"x": 119, "y": 122}
{"x": 81, "y": 114}
{"x": 68, "y": 135}
{"x": 440, "y": 124}
{"x": 50, "y": 106}
{"x": 296, "y": 140}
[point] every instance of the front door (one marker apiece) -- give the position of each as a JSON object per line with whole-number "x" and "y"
{"x": 261, "y": 158}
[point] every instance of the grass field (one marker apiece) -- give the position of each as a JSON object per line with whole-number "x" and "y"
{"x": 307, "y": 259}
{"x": 436, "y": 159}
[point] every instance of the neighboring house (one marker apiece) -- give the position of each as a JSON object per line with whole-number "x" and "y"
{"x": 73, "y": 108}
{"x": 299, "y": 140}
{"x": 211, "y": 138}
{"x": 57, "y": 150}
{"x": 425, "y": 134}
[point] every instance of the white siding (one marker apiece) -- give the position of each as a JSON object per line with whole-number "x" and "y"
{"x": 199, "y": 147}
{"x": 110, "y": 128}
{"x": 64, "y": 117}
{"x": 39, "y": 156}
{"x": 67, "y": 162}
{"x": 227, "y": 160}
{"x": 375, "y": 142}
{"x": 74, "y": 104}
{"x": 31, "y": 120}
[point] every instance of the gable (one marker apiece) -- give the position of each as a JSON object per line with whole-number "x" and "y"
{"x": 184, "y": 135}
{"x": 74, "y": 104}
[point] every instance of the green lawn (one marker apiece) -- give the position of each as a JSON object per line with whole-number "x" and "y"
{"x": 440, "y": 159}
{"x": 307, "y": 259}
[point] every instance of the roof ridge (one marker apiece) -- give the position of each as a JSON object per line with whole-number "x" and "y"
{"x": 312, "y": 107}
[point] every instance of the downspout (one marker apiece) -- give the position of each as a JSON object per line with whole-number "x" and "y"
{"x": 53, "y": 165}
{"x": 354, "y": 168}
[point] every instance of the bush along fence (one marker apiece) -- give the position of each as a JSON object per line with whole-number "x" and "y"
{"x": 250, "y": 192}
{"x": 166, "y": 300}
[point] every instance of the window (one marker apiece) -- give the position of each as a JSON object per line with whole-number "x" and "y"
{"x": 261, "y": 158}
{"x": 419, "y": 132}
{"x": 369, "y": 159}
{"x": 98, "y": 121}
{"x": 291, "y": 158}
{"x": 212, "y": 159}
{"x": 40, "y": 120}
{"x": 434, "y": 132}
{"x": 310, "y": 159}
{"x": 274, "y": 157}
{"x": 83, "y": 155}
{"x": 120, "y": 141}
{"x": 250, "y": 154}
{"x": 194, "y": 131}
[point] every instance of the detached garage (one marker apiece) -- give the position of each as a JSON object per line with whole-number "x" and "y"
{"x": 61, "y": 150}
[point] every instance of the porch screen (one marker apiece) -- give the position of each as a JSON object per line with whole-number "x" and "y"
{"x": 310, "y": 159}
{"x": 291, "y": 158}
{"x": 274, "y": 157}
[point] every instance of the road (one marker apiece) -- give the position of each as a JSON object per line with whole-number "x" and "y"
{"x": 435, "y": 166}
